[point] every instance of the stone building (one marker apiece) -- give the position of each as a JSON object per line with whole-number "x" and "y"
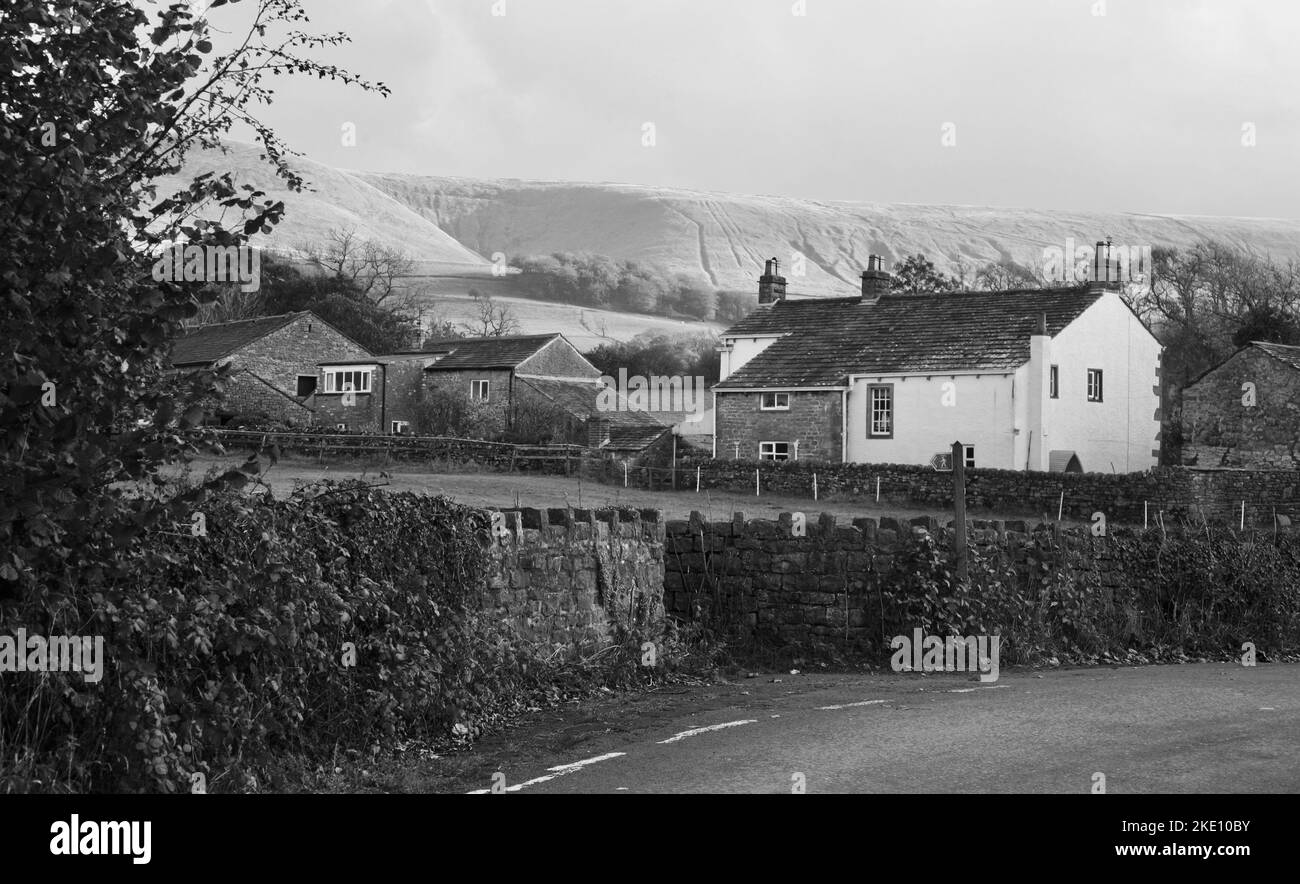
{"x": 1245, "y": 411}
{"x": 274, "y": 361}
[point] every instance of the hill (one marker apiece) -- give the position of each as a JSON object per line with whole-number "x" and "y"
{"x": 455, "y": 225}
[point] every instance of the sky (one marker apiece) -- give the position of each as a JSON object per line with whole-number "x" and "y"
{"x": 1149, "y": 106}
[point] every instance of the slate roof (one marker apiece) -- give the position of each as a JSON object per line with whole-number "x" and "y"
{"x": 579, "y": 399}
{"x": 206, "y": 344}
{"x": 503, "y": 352}
{"x": 1289, "y": 355}
{"x": 827, "y": 339}
{"x": 633, "y": 438}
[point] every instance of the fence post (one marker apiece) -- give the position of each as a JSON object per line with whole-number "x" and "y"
{"x": 877, "y": 489}
{"x": 1243, "y": 515}
{"x": 1060, "y": 507}
{"x": 959, "y": 510}
{"x": 624, "y": 474}
{"x": 697, "y": 479}
{"x": 814, "y": 486}
{"x": 756, "y": 485}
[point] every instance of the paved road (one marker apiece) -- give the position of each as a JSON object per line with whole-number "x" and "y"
{"x": 1191, "y": 728}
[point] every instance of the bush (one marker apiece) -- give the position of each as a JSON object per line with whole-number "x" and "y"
{"x": 227, "y": 652}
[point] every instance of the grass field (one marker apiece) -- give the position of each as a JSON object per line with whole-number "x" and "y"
{"x": 505, "y": 490}
{"x": 585, "y": 328}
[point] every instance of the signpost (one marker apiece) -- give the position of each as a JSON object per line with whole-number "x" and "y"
{"x": 957, "y": 463}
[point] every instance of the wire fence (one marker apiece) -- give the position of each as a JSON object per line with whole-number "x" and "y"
{"x": 1149, "y": 504}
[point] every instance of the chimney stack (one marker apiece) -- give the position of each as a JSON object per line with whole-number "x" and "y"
{"x": 875, "y": 281}
{"x": 771, "y": 285}
{"x": 1105, "y": 272}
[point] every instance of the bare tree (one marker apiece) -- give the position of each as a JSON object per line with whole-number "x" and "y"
{"x": 376, "y": 270}
{"x": 1005, "y": 275}
{"x": 491, "y": 320}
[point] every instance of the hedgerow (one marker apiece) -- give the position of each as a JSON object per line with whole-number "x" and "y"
{"x": 1178, "y": 597}
{"x": 229, "y": 653}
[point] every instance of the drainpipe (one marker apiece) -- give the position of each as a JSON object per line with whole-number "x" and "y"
{"x": 383, "y": 400}
{"x": 844, "y": 423}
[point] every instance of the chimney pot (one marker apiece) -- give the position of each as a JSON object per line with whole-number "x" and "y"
{"x": 771, "y": 285}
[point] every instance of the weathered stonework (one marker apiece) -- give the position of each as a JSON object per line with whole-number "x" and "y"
{"x": 1222, "y": 429}
{"x": 815, "y": 419}
{"x": 570, "y": 577}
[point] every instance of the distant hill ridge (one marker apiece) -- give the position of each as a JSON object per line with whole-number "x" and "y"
{"x": 455, "y": 225}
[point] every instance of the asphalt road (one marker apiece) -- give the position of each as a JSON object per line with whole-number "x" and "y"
{"x": 1188, "y": 729}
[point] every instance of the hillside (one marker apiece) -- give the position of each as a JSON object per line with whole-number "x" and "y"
{"x": 455, "y": 225}
{"x": 338, "y": 199}
{"x": 725, "y": 237}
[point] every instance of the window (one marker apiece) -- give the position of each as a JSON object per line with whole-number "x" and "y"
{"x": 1053, "y": 384}
{"x": 774, "y": 451}
{"x": 341, "y": 380}
{"x": 306, "y": 384}
{"x": 400, "y": 428}
{"x": 1094, "y": 385}
{"x": 478, "y": 390}
{"x": 880, "y": 417}
{"x": 776, "y": 402}
{"x": 970, "y": 457}
{"x": 342, "y": 427}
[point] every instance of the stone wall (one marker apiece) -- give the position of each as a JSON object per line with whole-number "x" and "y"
{"x": 1127, "y": 498}
{"x": 1221, "y": 427}
{"x": 570, "y": 576}
{"x": 815, "y": 419}
{"x": 248, "y": 394}
{"x": 757, "y": 579}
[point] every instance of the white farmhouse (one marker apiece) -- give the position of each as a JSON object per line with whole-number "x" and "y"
{"x": 1053, "y": 379}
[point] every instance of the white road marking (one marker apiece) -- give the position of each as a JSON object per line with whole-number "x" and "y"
{"x": 852, "y": 705}
{"x": 703, "y": 730}
{"x": 555, "y": 773}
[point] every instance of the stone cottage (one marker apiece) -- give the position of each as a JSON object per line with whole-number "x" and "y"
{"x": 1052, "y": 379}
{"x": 274, "y": 362}
{"x": 1245, "y": 411}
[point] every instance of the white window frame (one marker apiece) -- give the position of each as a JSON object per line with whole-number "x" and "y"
{"x": 1054, "y": 382}
{"x": 767, "y": 451}
{"x": 872, "y": 431}
{"x": 361, "y": 379}
{"x": 968, "y": 453}
{"x": 776, "y": 402}
{"x": 398, "y": 428}
{"x": 1096, "y": 385}
{"x": 343, "y": 427}
{"x": 486, "y": 387}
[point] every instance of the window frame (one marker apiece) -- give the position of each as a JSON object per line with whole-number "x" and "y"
{"x": 1054, "y": 382}
{"x": 773, "y": 454}
{"x": 871, "y": 411}
{"x": 1100, "y": 385}
{"x": 334, "y": 386}
{"x": 340, "y": 427}
{"x": 968, "y": 456}
{"x": 487, "y": 389}
{"x": 776, "y": 398}
{"x": 394, "y": 431}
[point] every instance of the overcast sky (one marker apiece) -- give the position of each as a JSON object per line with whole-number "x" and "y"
{"x": 1143, "y": 109}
